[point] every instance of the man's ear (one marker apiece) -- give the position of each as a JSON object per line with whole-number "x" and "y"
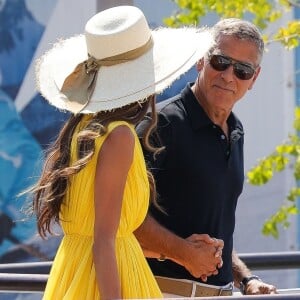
{"x": 254, "y": 77}
{"x": 200, "y": 64}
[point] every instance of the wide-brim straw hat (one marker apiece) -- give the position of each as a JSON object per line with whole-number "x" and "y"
{"x": 117, "y": 61}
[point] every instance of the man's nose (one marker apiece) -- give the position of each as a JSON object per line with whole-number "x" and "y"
{"x": 228, "y": 74}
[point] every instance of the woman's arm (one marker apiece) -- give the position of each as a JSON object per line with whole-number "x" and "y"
{"x": 114, "y": 161}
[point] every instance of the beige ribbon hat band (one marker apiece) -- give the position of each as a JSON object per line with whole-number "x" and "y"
{"x": 80, "y": 84}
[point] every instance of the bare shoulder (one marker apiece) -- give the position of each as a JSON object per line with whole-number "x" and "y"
{"x": 121, "y": 134}
{"x": 120, "y": 139}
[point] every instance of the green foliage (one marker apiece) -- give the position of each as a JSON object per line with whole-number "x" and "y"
{"x": 264, "y": 171}
{"x": 270, "y": 227}
{"x": 191, "y": 11}
{"x": 262, "y": 13}
{"x": 289, "y": 36}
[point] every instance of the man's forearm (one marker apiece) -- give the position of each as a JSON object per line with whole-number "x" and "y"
{"x": 251, "y": 284}
{"x": 156, "y": 240}
{"x": 239, "y": 269}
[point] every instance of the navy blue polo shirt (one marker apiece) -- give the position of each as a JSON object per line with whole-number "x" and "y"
{"x": 199, "y": 177}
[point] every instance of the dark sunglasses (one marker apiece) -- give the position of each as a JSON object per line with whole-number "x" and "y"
{"x": 241, "y": 70}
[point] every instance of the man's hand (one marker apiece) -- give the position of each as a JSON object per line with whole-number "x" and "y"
{"x": 257, "y": 287}
{"x": 6, "y": 225}
{"x": 204, "y": 257}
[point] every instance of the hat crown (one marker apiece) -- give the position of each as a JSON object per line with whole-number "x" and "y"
{"x": 115, "y": 31}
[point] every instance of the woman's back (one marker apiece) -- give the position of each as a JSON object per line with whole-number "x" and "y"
{"x": 73, "y": 272}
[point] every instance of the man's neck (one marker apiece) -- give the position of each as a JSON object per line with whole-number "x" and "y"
{"x": 217, "y": 116}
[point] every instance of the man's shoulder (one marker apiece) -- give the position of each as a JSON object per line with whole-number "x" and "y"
{"x": 170, "y": 107}
{"x": 166, "y": 112}
{"x": 168, "y": 102}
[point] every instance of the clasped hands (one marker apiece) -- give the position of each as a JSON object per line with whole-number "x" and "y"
{"x": 204, "y": 257}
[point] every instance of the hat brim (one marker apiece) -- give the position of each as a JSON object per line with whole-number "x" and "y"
{"x": 174, "y": 52}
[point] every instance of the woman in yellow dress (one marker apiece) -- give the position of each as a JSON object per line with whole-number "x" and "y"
{"x": 95, "y": 183}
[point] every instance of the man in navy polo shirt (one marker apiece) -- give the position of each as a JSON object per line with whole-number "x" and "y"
{"x": 199, "y": 175}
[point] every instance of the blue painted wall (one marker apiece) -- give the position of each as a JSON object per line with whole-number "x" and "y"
{"x": 24, "y": 135}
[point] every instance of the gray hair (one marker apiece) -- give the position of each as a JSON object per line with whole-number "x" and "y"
{"x": 240, "y": 29}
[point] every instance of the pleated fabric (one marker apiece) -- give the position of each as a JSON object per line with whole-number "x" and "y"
{"x": 72, "y": 275}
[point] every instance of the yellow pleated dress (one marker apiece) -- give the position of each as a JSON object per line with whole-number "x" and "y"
{"x": 72, "y": 275}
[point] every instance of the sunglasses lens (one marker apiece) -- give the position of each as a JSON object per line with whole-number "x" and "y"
{"x": 242, "y": 71}
{"x": 219, "y": 62}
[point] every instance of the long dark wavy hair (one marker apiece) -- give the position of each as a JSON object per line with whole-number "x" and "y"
{"x": 50, "y": 190}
